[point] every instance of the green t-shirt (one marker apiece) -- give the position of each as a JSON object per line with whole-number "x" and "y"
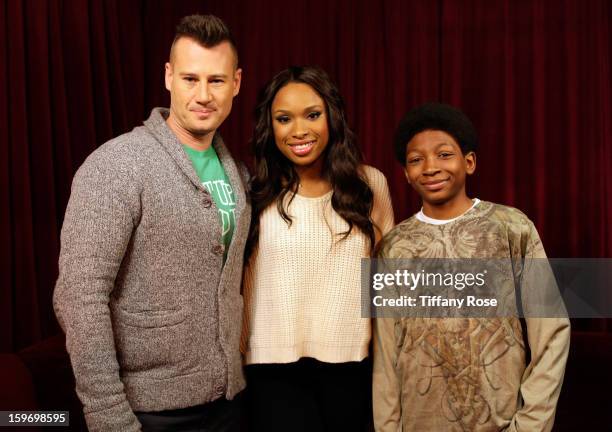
{"x": 210, "y": 171}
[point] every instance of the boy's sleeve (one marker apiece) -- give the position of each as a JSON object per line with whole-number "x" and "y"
{"x": 548, "y": 340}
{"x": 386, "y": 346}
{"x": 386, "y": 389}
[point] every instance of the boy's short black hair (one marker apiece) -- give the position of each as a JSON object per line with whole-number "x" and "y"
{"x": 435, "y": 116}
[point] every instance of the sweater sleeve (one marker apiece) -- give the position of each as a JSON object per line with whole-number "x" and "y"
{"x": 386, "y": 388}
{"x": 382, "y": 209}
{"x": 548, "y": 340}
{"x": 101, "y": 214}
{"x": 386, "y": 384}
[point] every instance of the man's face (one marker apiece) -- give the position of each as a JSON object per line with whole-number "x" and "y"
{"x": 202, "y": 84}
{"x": 436, "y": 168}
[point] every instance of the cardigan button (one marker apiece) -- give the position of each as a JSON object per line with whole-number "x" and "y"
{"x": 220, "y": 390}
{"x": 207, "y": 202}
{"x": 218, "y": 249}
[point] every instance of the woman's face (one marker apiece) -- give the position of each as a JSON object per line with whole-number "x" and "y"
{"x": 299, "y": 121}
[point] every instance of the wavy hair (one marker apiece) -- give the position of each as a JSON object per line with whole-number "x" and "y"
{"x": 275, "y": 175}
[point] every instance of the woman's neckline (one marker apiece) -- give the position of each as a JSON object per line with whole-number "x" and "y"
{"x": 315, "y": 198}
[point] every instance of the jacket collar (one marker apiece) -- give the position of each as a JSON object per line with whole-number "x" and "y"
{"x": 156, "y": 124}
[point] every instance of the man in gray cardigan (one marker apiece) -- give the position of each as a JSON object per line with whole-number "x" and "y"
{"x": 151, "y": 256}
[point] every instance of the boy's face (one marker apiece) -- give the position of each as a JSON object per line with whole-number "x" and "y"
{"x": 436, "y": 168}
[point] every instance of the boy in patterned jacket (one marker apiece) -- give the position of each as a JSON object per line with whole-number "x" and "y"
{"x": 461, "y": 374}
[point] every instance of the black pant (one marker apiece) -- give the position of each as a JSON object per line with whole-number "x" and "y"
{"x": 309, "y": 396}
{"x": 220, "y": 415}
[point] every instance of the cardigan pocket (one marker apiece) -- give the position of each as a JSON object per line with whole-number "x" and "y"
{"x": 151, "y": 318}
{"x": 155, "y": 343}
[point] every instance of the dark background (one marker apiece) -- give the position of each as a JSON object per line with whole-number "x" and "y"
{"x": 534, "y": 76}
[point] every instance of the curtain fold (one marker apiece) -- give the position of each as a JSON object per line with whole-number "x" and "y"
{"x": 534, "y": 76}
{"x": 23, "y": 284}
{"x": 6, "y": 226}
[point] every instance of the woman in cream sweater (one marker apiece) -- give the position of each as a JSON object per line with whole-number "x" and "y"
{"x": 317, "y": 210}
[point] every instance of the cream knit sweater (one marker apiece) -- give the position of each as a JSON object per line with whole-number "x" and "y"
{"x": 302, "y": 286}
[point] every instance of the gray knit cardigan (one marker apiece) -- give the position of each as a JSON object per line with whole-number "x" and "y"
{"x": 152, "y": 315}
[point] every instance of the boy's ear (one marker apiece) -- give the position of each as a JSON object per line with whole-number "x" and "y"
{"x": 470, "y": 163}
{"x": 406, "y": 174}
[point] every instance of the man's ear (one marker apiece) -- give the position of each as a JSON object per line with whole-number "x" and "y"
{"x": 168, "y": 76}
{"x": 237, "y": 81}
{"x": 470, "y": 163}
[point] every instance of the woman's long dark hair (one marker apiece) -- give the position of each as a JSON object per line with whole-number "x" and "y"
{"x": 275, "y": 175}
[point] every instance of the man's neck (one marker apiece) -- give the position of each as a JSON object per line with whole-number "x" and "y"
{"x": 196, "y": 142}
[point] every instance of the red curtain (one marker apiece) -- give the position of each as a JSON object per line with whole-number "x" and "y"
{"x": 533, "y": 76}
